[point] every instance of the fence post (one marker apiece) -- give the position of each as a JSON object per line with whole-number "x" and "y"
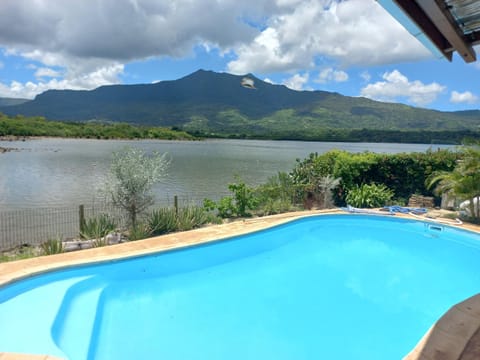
{"x": 81, "y": 216}
{"x": 175, "y": 204}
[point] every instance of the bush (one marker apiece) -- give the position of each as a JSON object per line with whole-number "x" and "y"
{"x": 274, "y": 206}
{"x": 276, "y": 195}
{"x": 192, "y": 217}
{"x": 226, "y": 207}
{"x": 139, "y": 232}
{"x": 403, "y": 173}
{"x": 131, "y": 178}
{"x": 97, "y": 227}
{"x": 162, "y": 221}
{"x": 167, "y": 220}
{"x": 243, "y": 199}
{"x": 369, "y": 196}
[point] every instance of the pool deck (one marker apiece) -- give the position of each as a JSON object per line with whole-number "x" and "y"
{"x": 455, "y": 336}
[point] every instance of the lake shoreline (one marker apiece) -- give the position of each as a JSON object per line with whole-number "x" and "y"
{"x": 15, "y": 138}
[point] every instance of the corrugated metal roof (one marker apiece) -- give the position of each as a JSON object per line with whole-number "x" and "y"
{"x": 466, "y": 14}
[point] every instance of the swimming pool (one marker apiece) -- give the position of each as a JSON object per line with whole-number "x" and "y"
{"x": 331, "y": 286}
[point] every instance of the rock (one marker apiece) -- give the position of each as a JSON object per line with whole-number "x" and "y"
{"x": 113, "y": 238}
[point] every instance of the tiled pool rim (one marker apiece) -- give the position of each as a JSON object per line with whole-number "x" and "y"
{"x": 455, "y": 336}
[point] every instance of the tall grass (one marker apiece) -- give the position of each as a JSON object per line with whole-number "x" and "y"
{"x": 52, "y": 246}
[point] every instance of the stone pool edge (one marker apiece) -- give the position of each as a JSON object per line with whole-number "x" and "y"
{"x": 16, "y": 270}
{"x": 455, "y": 336}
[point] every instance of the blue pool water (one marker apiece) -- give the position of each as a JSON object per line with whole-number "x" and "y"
{"x": 327, "y": 287}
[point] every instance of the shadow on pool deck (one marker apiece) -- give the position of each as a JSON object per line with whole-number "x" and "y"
{"x": 455, "y": 336}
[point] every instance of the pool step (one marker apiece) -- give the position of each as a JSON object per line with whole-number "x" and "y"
{"x": 76, "y": 318}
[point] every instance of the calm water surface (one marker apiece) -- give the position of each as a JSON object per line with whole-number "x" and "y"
{"x": 66, "y": 172}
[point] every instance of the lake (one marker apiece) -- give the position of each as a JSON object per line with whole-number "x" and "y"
{"x": 67, "y": 172}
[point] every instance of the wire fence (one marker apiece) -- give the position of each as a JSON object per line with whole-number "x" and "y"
{"x": 35, "y": 226}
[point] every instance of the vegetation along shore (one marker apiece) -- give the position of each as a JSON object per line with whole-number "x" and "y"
{"x": 21, "y": 128}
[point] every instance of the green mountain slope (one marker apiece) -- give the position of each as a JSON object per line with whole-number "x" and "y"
{"x": 208, "y": 102}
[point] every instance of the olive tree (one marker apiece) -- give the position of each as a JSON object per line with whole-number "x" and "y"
{"x": 131, "y": 178}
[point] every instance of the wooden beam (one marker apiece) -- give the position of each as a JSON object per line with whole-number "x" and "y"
{"x": 418, "y": 16}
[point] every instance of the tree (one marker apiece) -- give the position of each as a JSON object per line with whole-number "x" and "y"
{"x": 464, "y": 181}
{"x": 131, "y": 178}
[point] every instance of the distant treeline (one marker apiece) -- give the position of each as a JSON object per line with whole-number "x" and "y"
{"x": 450, "y": 137}
{"x": 39, "y": 126}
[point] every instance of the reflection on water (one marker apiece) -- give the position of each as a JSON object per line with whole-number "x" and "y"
{"x": 66, "y": 172}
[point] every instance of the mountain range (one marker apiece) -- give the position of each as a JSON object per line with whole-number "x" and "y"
{"x": 11, "y": 101}
{"x": 207, "y": 102}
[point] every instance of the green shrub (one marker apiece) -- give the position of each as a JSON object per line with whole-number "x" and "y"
{"x": 162, "y": 221}
{"x": 131, "y": 178}
{"x": 226, "y": 207}
{"x": 52, "y": 246}
{"x": 274, "y": 206}
{"x": 97, "y": 227}
{"x": 403, "y": 173}
{"x": 209, "y": 205}
{"x": 369, "y": 196}
{"x": 139, "y": 232}
{"x": 167, "y": 220}
{"x": 243, "y": 199}
{"x": 276, "y": 195}
{"x": 192, "y": 217}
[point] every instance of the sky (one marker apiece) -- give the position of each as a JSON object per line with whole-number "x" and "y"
{"x": 353, "y": 47}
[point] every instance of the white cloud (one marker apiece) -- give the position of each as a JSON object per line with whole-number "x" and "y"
{"x": 262, "y": 55}
{"x": 126, "y": 30}
{"x": 90, "y": 80}
{"x": 46, "y": 72}
{"x": 465, "y": 97}
{"x": 88, "y": 42}
{"x": 330, "y": 74}
{"x": 397, "y": 85}
{"x": 288, "y": 2}
{"x": 365, "y": 75}
{"x": 352, "y": 32}
{"x": 270, "y": 81}
{"x": 296, "y": 82}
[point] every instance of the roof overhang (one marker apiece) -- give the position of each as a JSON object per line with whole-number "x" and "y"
{"x": 443, "y": 26}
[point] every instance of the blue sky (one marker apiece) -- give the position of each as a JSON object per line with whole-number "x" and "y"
{"x": 353, "y": 47}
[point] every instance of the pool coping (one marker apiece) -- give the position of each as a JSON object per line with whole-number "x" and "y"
{"x": 455, "y": 336}
{"x": 16, "y": 270}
